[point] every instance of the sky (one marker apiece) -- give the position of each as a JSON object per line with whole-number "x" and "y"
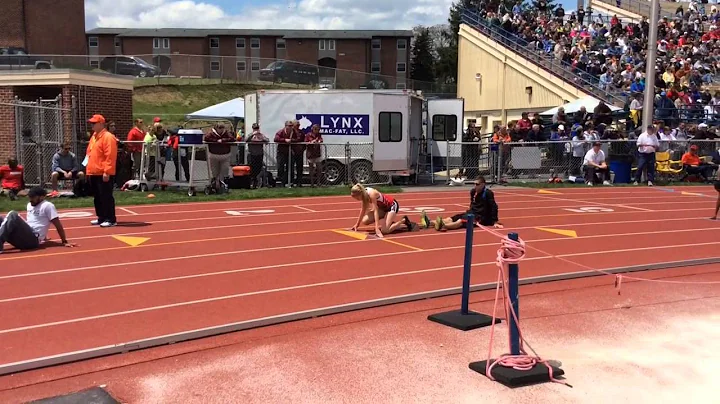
{"x": 277, "y": 14}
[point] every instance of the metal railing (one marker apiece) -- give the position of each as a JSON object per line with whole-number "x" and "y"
{"x": 580, "y": 80}
{"x": 544, "y": 161}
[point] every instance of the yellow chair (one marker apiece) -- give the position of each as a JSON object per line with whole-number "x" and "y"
{"x": 665, "y": 168}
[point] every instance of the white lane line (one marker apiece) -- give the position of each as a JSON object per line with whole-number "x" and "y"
{"x": 129, "y": 211}
{"x": 305, "y": 209}
{"x": 313, "y": 285}
{"x": 302, "y": 263}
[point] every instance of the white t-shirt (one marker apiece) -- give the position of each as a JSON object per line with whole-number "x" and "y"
{"x": 597, "y": 158}
{"x": 647, "y": 143}
{"x": 39, "y": 218}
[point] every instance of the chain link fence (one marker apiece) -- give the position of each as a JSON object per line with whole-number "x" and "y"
{"x": 41, "y": 127}
{"x": 564, "y": 159}
{"x": 173, "y": 69}
{"x": 157, "y": 165}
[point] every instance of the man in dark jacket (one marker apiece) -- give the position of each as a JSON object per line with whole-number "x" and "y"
{"x": 482, "y": 205}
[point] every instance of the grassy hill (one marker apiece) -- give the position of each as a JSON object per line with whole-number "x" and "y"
{"x": 173, "y": 99}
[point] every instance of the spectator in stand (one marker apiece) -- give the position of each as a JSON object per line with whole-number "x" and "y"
{"x": 256, "y": 147}
{"x": 470, "y": 150}
{"x": 135, "y": 137}
{"x": 647, "y": 144}
{"x": 693, "y": 165}
{"x": 101, "y": 159}
{"x": 582, "y": 117}
{"x": 13, "y": 181}
{"x": 314, "y": 154}
{"x": 64, "y": 166}
{"x": 297, "y": 150}
{"x": 283, "y": 137}
{"x": 219, "y": 141}
{"x": 596, "y": 169}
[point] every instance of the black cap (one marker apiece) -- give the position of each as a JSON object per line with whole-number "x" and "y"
{"x": 37, "y": 191}
{"x": 597, "y": 144}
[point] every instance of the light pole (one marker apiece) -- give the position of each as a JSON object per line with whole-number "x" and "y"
{"x": 649, "y": 102}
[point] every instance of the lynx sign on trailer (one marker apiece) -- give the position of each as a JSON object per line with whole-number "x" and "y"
{"x": 371, "y": 130}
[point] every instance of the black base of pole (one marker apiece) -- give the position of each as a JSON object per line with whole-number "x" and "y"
{"x": 518, "y": 378}
{"x": 463, "y": 322}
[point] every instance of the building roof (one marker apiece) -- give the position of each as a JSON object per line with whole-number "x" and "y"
{"x": 287, "y": 34}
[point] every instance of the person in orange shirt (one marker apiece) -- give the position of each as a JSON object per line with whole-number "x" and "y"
{"x": 101, "y": 160}
{"x": 135, "y": 138}
{"x": 694, "y": 166}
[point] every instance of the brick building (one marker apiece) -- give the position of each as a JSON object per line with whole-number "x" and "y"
{"x": 350, "y": 58}
{"x": 81, "y": 94}
{"x": 44, "y": 27}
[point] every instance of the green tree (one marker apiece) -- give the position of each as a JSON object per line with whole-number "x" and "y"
{"x": 422, "y": 65}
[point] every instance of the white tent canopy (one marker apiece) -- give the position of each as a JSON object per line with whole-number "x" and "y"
{"x": 232, "y": 110}
{"x": 588, "y": 102}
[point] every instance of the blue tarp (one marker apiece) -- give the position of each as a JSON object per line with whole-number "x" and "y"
{"x": 232, "y": 110}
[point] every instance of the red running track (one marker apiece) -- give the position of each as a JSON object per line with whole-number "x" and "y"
{"x": 201, "y": 267}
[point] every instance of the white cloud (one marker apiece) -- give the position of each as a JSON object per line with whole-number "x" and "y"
{"x": 303, "y": 14}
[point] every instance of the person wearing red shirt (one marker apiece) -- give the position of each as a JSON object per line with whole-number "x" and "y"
{"x": 12, "y": 179}
{"x": 375, "y": 207}
{"x": 283, "y": 137}
{"x": 135, "y": 143}
{"x": 694, "y": 166}
{"x": 314, "y": 154}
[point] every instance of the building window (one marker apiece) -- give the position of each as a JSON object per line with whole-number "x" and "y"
{"x": 156, "y": 43}
{"x": 400, "y": 86}
{"x": 255, "y": 66}
{"x": 331, "y": 44}
{"x": 118, "y": 43}
{"x": 444, "y": 128}
{"x": 240, "y": 43}
{"x": 321, "y": 44}
{"x": 240, "y": 66}
{"x": 93, "y": 42}
{"x": 375, "y": 67}
{"x": 402, "y": 44}
{"x": 214, "y": 43}
{"x": 375, "y": 44}
{"x": 215, "y": 66}
{"x": 390, "y": 127}
{"x": 95, "y": 64}
{"x": 401, "y": 67}
{"x": 166, "y": 43}
{"x": 254, "y": 43}
{"x": 280, "y": 43}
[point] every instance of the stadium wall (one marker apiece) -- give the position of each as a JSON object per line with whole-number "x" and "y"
{"x": 508, "y": 85}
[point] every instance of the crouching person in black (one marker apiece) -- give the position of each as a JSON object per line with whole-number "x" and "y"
{"x": 482, "y": 205}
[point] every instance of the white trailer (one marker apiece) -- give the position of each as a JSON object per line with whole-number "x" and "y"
{"x": 369, "y": 131}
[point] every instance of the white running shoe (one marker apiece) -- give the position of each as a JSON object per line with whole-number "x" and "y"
{"x": 95, "y": 222}
{"x": 107, "y": 224}
{"x": 606, "y": 183}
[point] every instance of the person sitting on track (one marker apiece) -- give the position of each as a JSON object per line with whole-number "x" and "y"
{"x": 482, "y": 205}
{"x": 376, "y": 206}
{"x": 31, "y": 234}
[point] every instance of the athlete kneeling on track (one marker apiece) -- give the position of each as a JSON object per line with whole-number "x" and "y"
{"x": 482, "y": 205}
{"x": 376, "y": 206}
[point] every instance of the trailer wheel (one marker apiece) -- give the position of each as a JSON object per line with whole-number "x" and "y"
{"x": 334, "y": 172}
{"x": 361, "y": 172}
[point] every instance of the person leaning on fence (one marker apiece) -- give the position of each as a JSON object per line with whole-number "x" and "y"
{"x": 101, "y": 156}
{"x": 219, "y": 141}
{"x": 482, "y": 205}
{"x": 256, "y": 149}
{"x": 283, "y": 137}
{"x": 13, "y": 179}
{"x": 314, "y": 154}
{"x": 135, "y": 137}
{"x": 596, "y": 168}
{"x": 647, "y": 144}
{"x": 65, "y": 167}
{"x": 31, "y": 234}
{"x": 297, "y": 150}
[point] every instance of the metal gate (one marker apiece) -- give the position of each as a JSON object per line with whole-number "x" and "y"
{"x": 39, "y": 132}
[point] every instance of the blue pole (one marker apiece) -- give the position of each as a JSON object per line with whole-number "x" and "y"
{"x": 467, "y": 264}
{"x": 513, "y": 278}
